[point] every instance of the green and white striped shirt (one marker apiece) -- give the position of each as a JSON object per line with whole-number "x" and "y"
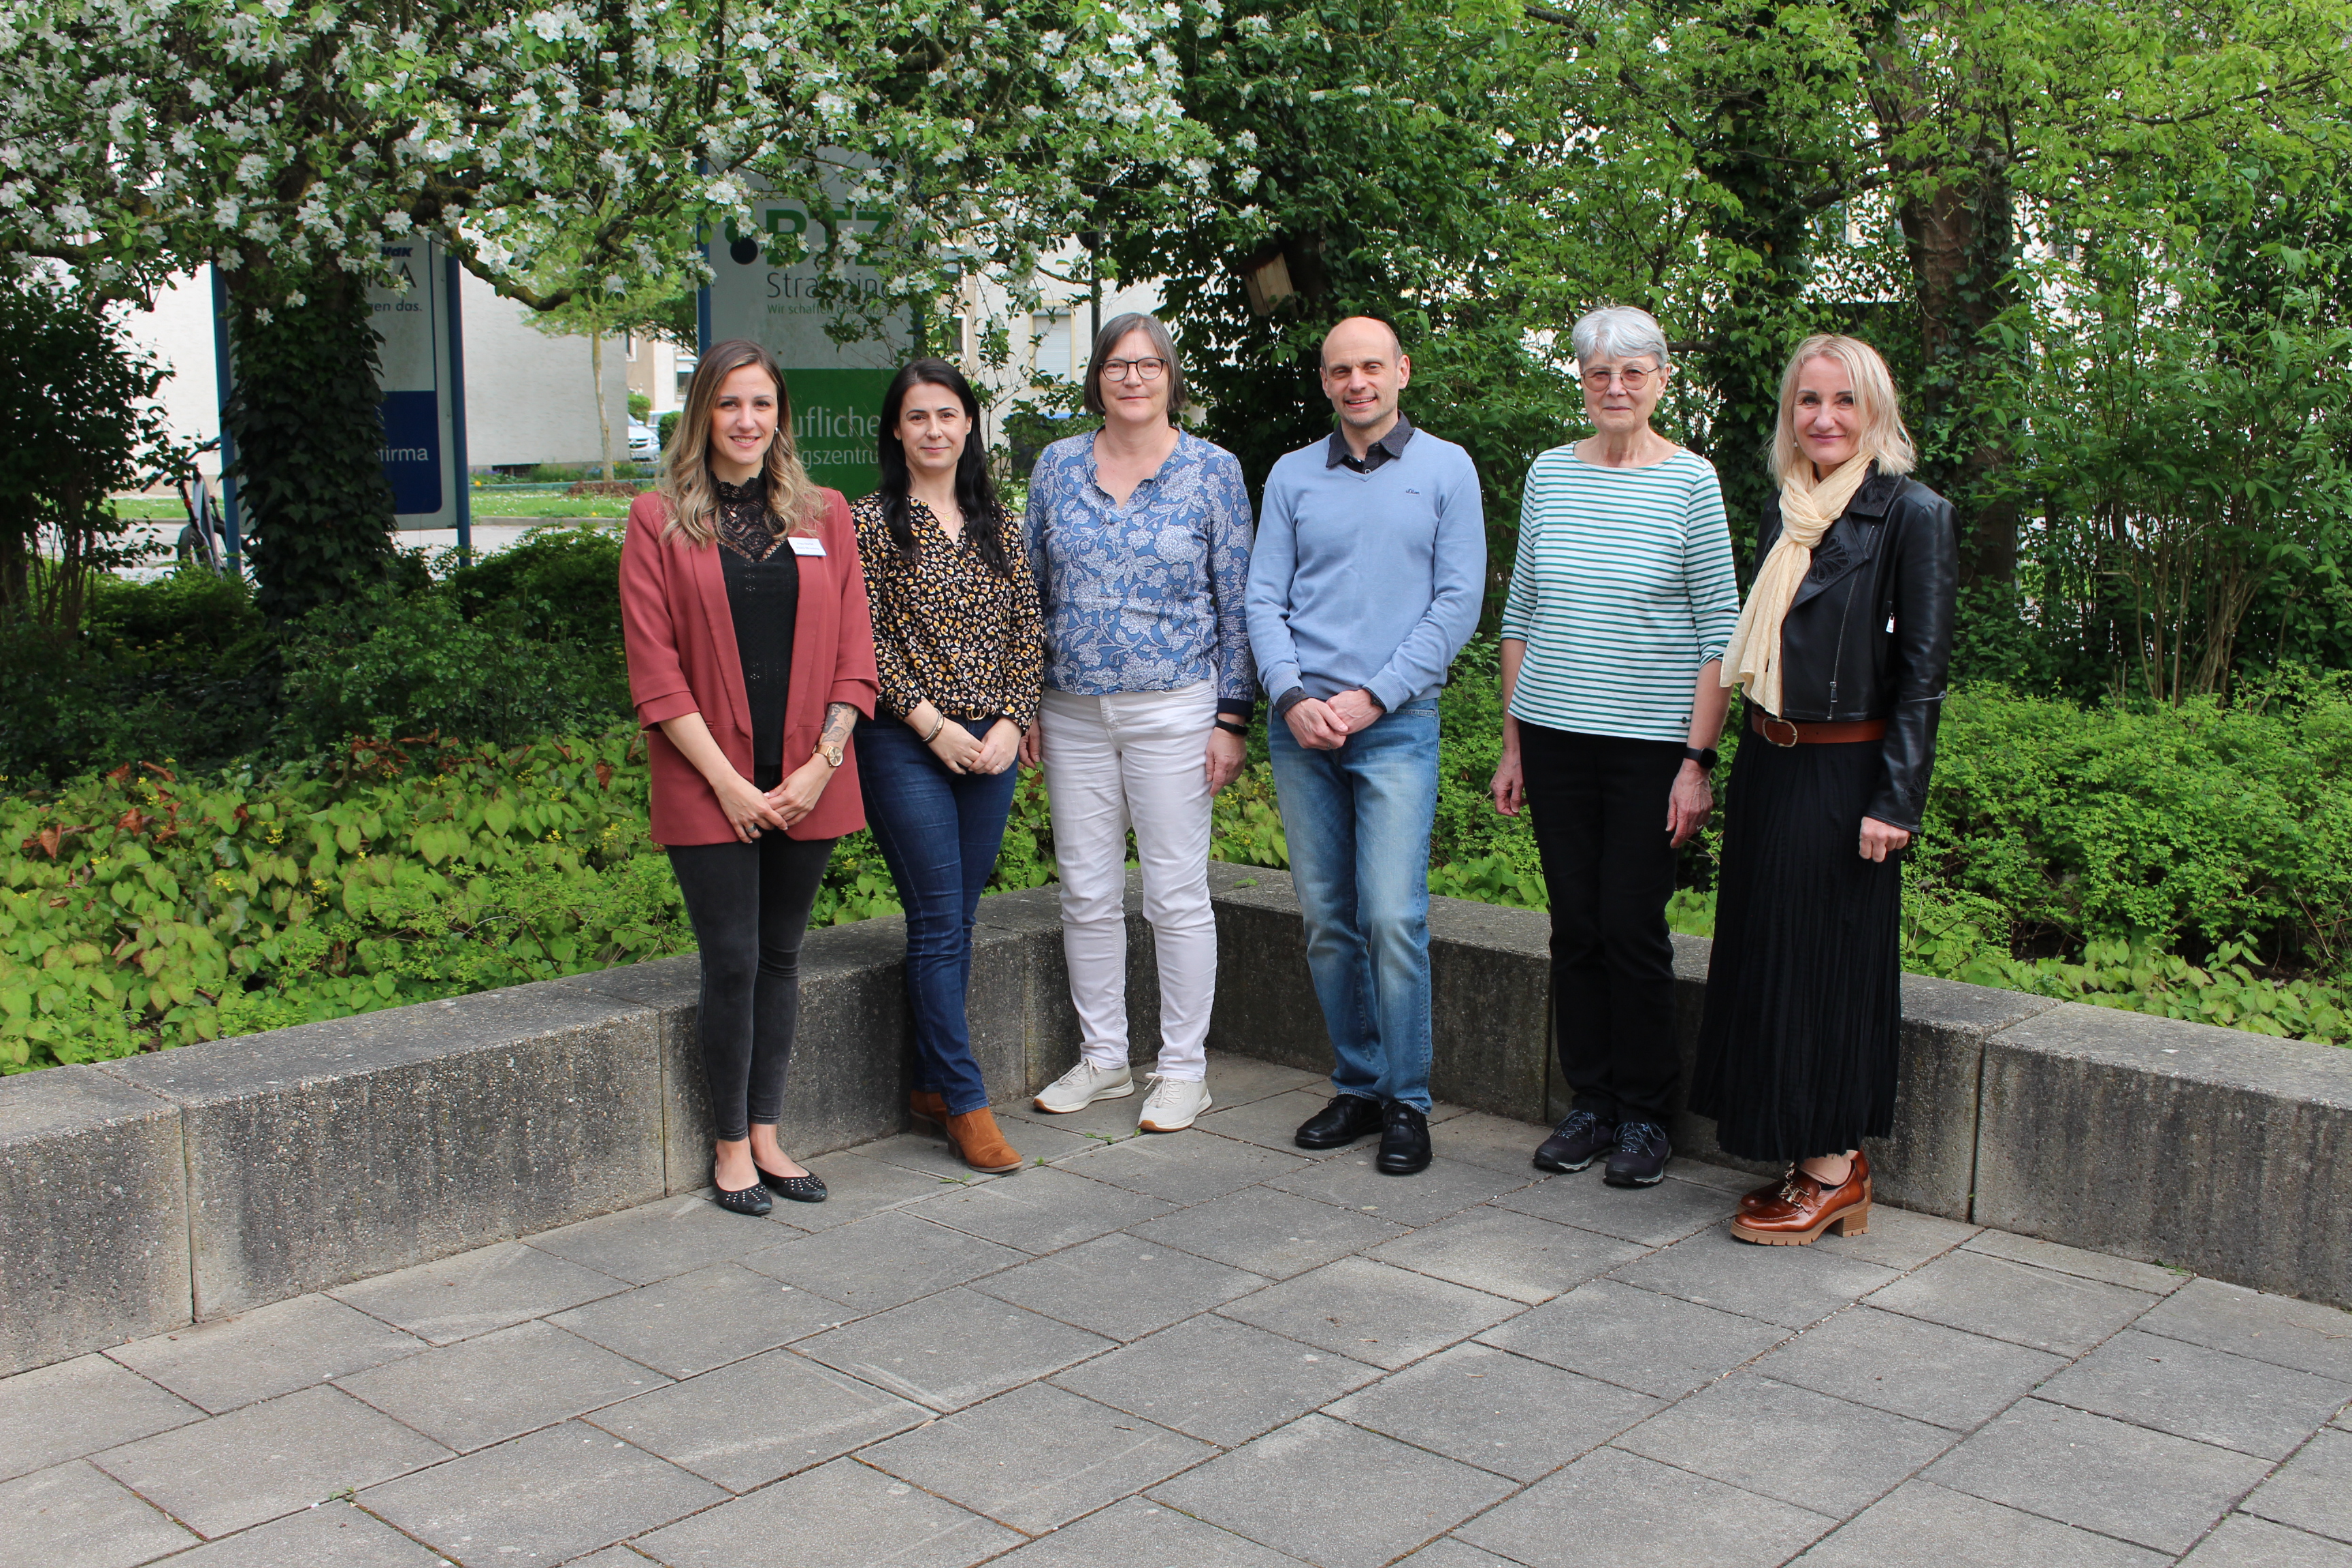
{"x": 1622, "y": 588}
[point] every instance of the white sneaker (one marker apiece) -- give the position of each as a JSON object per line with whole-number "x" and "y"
{"x": 1083, "y": 1085}
{"x": 1173, "y": 1106}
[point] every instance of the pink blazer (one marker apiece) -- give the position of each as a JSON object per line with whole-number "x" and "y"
{"x": 683, "y": 659}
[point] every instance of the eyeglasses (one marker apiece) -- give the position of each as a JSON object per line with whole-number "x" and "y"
{"x": 1632, "y": 378}
{"x": 1143, "y": 369}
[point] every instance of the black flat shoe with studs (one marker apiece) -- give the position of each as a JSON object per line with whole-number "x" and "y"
{"x": 752, "y": 1200}
{"x": 803, "y": 1189}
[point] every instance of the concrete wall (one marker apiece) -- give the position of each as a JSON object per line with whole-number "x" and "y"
{"x": 141, "y": 1195}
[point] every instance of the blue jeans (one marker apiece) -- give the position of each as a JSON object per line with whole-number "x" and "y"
{"x": 939, "y": 833}
{"x": 1357, "y": 822}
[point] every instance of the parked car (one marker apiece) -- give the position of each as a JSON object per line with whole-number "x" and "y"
{"x": 643, "y": 443}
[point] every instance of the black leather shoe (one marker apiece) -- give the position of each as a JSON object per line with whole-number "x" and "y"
{"x": 1348, "y": 1117}
{"x": 752, "y": 1200}
{"x": 808, "y": 1189}
{"x": 1404, "y": 1140}
{"x": 1640, "y": 1158}
{"x": 1576, "y": 1142}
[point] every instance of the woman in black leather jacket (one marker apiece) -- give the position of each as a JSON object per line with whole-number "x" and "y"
{"x": 1842, "y": 651}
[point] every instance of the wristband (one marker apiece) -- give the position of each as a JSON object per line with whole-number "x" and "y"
{"x": 1230, "y": 728}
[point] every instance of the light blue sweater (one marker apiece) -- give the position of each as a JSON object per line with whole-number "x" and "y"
{"x": 1366, "y": 580}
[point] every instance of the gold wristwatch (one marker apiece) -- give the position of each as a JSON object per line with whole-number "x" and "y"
{"x": 830, "y": 750}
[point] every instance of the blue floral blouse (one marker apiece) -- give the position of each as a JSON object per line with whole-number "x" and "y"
{"x": 1148, "y": 596}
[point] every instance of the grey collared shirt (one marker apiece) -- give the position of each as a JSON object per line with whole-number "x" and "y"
{"x": 1388, "y": 446}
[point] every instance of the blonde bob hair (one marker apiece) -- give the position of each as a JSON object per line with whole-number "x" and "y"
{"x": 1882, "y": 436}
{"x": 687, "y": 484}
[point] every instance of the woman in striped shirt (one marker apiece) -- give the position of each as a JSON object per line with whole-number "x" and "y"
{"x": 1623, "y": 598}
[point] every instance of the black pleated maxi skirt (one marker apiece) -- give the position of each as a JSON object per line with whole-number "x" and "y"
{"x": 1798, "y": 1049}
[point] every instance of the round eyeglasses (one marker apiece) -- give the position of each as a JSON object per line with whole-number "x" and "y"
{"x": 1141, "y": 369}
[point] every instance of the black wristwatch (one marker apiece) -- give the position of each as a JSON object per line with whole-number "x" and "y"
{"x": 1705, "y": 759}
{"x": 1230, "y": 728}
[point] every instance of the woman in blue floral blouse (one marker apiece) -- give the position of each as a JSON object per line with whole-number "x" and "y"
{"x": 1139, "y": 536}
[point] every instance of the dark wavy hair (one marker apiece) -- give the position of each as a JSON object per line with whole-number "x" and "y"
{"x": 983, "y": 519}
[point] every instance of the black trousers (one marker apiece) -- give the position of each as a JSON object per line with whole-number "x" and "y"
{"x": 1599, "y": 804}
{"x": 750, "y": 905}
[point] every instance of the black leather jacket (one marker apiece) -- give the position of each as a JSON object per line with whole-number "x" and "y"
{"x": 1870, "y": 633}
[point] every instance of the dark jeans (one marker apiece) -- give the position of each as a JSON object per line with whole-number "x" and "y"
{"x": 1599, "y": 803}
{"x": 939, "y": 833}
{"x": 750, "y": 905}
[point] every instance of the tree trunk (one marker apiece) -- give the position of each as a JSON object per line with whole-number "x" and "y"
{"x": 603, "y": 426}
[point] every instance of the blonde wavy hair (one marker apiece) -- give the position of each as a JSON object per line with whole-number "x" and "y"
{"x": 1882, "y": 436}
{"x": 686, "y": 487}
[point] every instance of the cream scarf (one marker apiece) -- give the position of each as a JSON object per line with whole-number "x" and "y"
{"x": 1808, "y": 506}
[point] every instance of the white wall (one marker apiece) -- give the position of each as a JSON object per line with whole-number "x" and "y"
{"x": 179, "y": 332}
{"x": 527, "y": 395}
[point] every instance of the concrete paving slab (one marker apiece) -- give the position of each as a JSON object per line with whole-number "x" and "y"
{"x": 1218, "y": 1379}
{"x": 1353, "y": 1182}
{"x": 1266, "y": 1232}
{"x": 1119, "y": 1286}
{"x": 749, "y": 1423}
{"x": 2313, "y": 1490}
{"x": 1042, "y": 1210}
{"x": 1507, "y": 1252}
{"x": 483, "y": 1391}
{"x": 2154, "y": 1279}
{"x": 1185, "y": 1167}
{"x": 706, "y": 1318}
{"x": 1653, "y": 1217}
{"x": 1920, "y": 1521}
{"x": 1333, "y": 1494}
{"x": 2160, "y": 1491}
{"x": 268, "y": 1459}
{"x": 856, "y": 1187}
{"x": 1911, "y": 1367}
{"x": 1037, "y": 1458}
{"x": 1651, "y": 1516}
{"x": 266, "y": 1351}
{"x": 331, "y": 1535}
{"x": 73, "y": 1516}
{"x": 1238, "y": 1079}
{"x": 927, "y": 1153}
{"x": 1899, "y": 1238}
{"x": 1139, "y": 1533}
{"x": 1652, "y": 1345}
{"x": 2245, "y": 1543}
{"x": 476, "y": 1292}
{"x": 1373, "y": 1311}
{"x": 1747, "y": 1431}
{"x": 557, "y": 1493}
{"x": 2192, "y": 1391}
{"x": 1104, "y": 1123}
{"x": 2277, "y": 1328}
{"x": 74, "y": 1407}
{"x": 1273, "y": 1122}
{"x": 2014, "y": 1301}
{"x": 1501, "y": 1412}
{"x": 883, "y": 1261}
{"x": 841, "y": 1515}
{"x": 953, "y": 1349}
{"x": 1483, "y": 1139}
{"x": 1446, "y": 1551}
{"x": 656, "y": 1240}
{"x": 1794, "y": 1287}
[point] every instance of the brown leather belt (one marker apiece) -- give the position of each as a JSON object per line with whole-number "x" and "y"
{"x": 1790, "y": 733}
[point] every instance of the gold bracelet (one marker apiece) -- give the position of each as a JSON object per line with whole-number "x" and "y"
{"x": 939, "y": 722}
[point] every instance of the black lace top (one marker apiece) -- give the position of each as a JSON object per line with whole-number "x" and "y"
{"x": 763, "y": 595}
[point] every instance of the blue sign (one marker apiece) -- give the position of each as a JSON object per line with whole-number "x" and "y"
{"x": 412, "y": 451}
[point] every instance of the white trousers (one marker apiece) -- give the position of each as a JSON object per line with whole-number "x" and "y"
{"x": 1135, "y": 759}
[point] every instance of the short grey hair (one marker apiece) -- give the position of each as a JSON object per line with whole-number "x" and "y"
{"x": 1619, "y": 331}
{"x": 1163, "y": 344}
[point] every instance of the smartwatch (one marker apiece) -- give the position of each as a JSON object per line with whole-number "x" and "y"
{"x": 1230, "y": 728}
{"x": 1706, "y": 759}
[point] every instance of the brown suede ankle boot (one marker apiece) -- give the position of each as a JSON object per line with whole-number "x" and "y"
{"x": 930, "y": 1105}
{"x": 979, "y": 1145}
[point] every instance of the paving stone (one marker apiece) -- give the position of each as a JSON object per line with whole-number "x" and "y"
{"x": 1920, "y": 1521}
{"x": 1722, "y": 1178}
{"x": 1504, "y": 1412}
{"x": 1333, "y": 1494}
{"x": 1651, "y": 1343}
{"x": 1042, "y": 1210}
{"x": 1745, "y": 1429}
{"x": 268, "y": 1350}
{"x": 2151, "y": 1278}
{"x": 856, "y": 1187}
{"x": 267, "y": 1459}
{"x": 71, "y": 1516}
{"x": 1273, "y": 1122}
{"x": 655, "y": 1240}
{"x": 1794, "y": 1287}
{"x": 331, "y": 1535}
{"x": 1899, "y": 1238}
{"x": 1507, "y": 1252}
{"x": 1911, "y": 1367}
{"x": 1238, "y": 1080}
{"x": 1446, "y": 1551}
{"x": 882, "y": 1261}
{"x": 1267, "y": 1231}
{"x": 704, "y": 1319}
{"x": 621, "y": 1556}
{"x": 2013, "y": 1301}
{"x": 1040, "y": 1137}
{"x": 2103, "y": 1475}
{"x": 1217, "y": 1379}
{"x": 500, "y": 1386}
{"x": 555, "y": 1494}
{"x": 1185, "y": 1167}
{"x": 744, "y": 1424}
{"x": 75, "y": 1407}
{"x": 1037, "y": 1458}
{"x": 841, "y": 1515}
{"x": 1140, "y": 1533}
{"x": 2313, "y": 1490}
{"x": 953, "y": 1349}
{"x": 1104, "y": 1122}
{"x": 1120, "y": 1287}
{"x": 1373, "y": 1311}
{"x": 927, "y": 1152}
{"x": 1651, "y": 1216}
{"x": 2276, "y": 1329}
{"x": 2192, "y": 1391}
{"x": 2245, "y": 1543}
{"x": 478, "y": 1292}
{"x": 1496, "y": 1141}
{"x": 1638, "y": 1513}
{"x": 1447, "y": 1187}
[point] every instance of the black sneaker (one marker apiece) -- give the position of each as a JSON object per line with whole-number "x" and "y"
{"x": 1575, "y": 1143}
{"x": 1640, "y": 1158}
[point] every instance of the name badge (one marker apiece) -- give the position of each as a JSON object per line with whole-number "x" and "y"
{"x": 804, "y": 545}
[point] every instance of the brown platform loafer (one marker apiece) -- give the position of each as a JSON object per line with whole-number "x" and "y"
{"x": 1802, "y": 1209}
{"x": 979, "y": 1145}
{"x": 1758, "y": 1200}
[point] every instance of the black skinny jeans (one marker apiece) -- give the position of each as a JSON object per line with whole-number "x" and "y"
{"x": 1599, "y": 803}
{"x": 750, "y": 905}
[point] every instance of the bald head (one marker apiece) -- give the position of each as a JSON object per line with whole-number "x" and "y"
{"x": 1356, "y": 336}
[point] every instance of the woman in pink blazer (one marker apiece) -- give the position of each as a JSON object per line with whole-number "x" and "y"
{"x": 751, "y": 660}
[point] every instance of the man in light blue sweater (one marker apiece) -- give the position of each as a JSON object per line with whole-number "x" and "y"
{"x": 1365, "y": 581}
